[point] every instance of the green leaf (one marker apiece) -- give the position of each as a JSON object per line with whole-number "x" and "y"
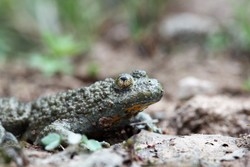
{"x": 84, "y": 139}
{"x": 246, "y": 85}
{"x": 93, "y": 70}
{"x": 51, "y": 141}
{"x": 93, "y": 145}
{"x": 50, "y": 65}
{"x": 90, "y": 144}
{"x": 61, "y": 46}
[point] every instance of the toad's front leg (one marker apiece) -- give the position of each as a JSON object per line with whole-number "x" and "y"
{"x": 144, "y": 121}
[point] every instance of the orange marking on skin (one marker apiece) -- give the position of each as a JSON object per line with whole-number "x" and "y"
{"x": 115, "y": 119}
{"x": 108, "y": 121}
{"x": 131, "y": 111}
{"x": 137, "y": 108}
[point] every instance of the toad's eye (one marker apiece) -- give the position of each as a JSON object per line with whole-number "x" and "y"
{"x": 124, "y": 81}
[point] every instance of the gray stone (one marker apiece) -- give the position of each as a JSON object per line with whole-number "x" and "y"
{"x": 190, "y": 86}
{"x": 187, "y": 24}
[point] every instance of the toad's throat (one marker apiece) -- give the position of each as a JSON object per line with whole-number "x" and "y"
{"x": 107, "y": 122}
{"x": 135, "y": 109}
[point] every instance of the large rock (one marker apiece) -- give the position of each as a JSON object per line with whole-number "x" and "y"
{"x": 213, "y": 115}
{"x": 187, "y": 26}
{"x": 190, "y": 86}
{"x": 195, "y": 150}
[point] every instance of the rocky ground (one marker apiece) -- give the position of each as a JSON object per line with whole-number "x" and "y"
{"x": 204, "y": 113}
{"x": 202, "y": 97}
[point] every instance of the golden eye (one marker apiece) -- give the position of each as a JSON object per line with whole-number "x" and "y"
{"x": 124, "y": 81}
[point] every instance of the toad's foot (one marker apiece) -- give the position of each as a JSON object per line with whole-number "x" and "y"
{"x": 144, "y": 121}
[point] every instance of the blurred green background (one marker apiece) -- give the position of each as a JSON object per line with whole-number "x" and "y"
{"x": 46, "y": 33}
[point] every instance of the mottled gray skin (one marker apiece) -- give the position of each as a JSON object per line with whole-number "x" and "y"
{"x": 102, "y": 107}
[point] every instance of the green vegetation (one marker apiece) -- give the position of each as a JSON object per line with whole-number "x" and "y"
{"x": 57, "y": 50}
{"x": 53, "y": 140}
{"x": 218, "y": 41}
{"x": 47, "y": 34}
{"x": 242, "y": 25}
{"x": 35, "y": 31}
{"x": 246, "y": 85}
{"x": 142, "y": 16}
{"x": 93, "y": 70}
{"x": 90, "y": 144}
{"x": 236, "y": 35}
